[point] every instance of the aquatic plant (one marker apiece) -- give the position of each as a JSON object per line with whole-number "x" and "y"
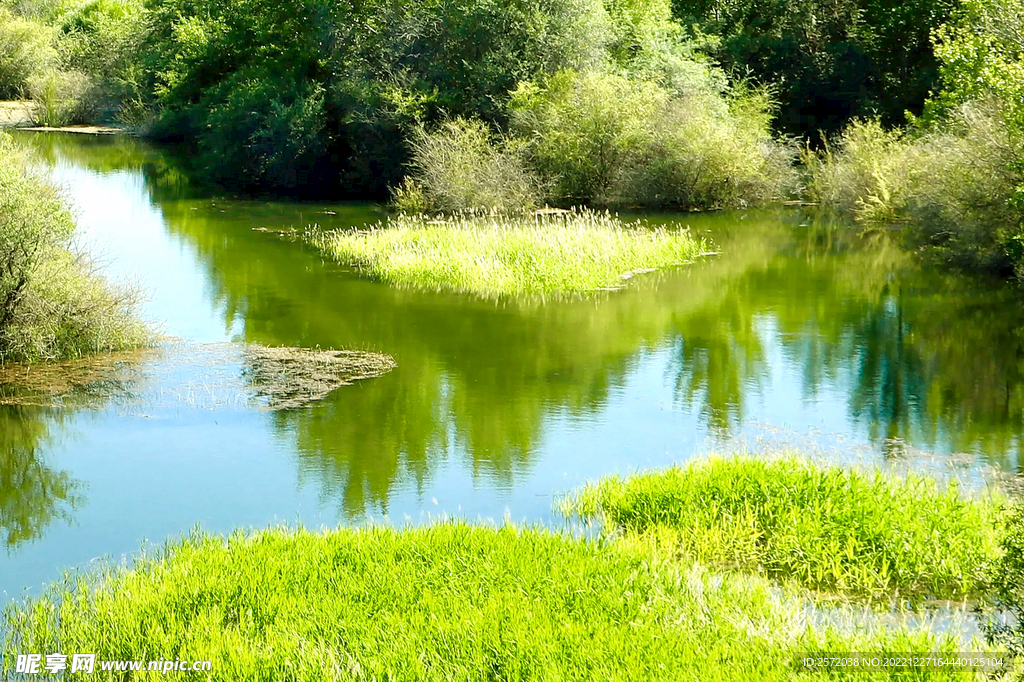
{"x": 827, "y": 528}
{"x": 490, "y": 254}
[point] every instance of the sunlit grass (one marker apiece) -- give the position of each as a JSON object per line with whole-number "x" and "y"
{"x": 828, "y": 528}
{"x": 493, "y": 255}
{"x": 450, "y": 601}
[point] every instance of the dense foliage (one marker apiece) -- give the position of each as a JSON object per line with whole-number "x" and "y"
{"x": 829, "y": 61}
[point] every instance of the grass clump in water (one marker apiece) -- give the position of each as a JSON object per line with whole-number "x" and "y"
{"x": 493, "y": 255}
{"x": 827, "y": 528}
{"x": 446, "y": 602}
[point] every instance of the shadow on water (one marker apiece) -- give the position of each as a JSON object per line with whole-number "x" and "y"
{"x": 917, "y": 357}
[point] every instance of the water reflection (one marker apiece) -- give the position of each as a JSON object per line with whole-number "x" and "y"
{"x": 33, "y": 494}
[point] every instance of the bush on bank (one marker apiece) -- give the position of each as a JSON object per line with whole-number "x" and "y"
{"x": 447, "y": 601}
{"x": 53, "y": 303}
{"x": 955, "y": 187}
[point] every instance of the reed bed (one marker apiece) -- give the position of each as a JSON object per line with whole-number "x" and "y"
{"x": 450, "y": 601}
{"x": 492, "y": 255}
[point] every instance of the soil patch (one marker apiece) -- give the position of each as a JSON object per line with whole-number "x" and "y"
{"x": 15, "y": 113}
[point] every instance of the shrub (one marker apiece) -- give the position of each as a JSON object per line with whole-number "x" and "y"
{"x": 52, "y": 304}
{"x": 696, "y": 157}
{"x": 456, "y": 167}
{"x": 609, "y": 139}
{"x": 103, "y": 38}
{"x": 265, "y": 132}
{"x": 864, "y": 175}
{"x": 954, "y": 187}
{"x": 63, "y": 97}
{"x": 26, "y": 47}
{"x": 379, "y": 67}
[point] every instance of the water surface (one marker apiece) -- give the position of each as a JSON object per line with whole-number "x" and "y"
{"x": 797, "y": 333}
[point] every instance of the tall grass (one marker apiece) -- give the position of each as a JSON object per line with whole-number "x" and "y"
{"x": 53, "y": 303}
{"x": 449, "y": 601}
{"x": 495, "y": 254}
{"x": 827, "y": 528}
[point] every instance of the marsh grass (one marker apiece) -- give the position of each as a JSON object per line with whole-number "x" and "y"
{"x": 493, "y": 254}
{"x": 450, "y": 601}
{"x": 827, "y": 528}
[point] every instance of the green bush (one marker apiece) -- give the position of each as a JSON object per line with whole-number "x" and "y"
{"x": 380, "y": 67}
{"x": 52, "y": 304}
{"x": 953, "y": 187}
{"x": 608, "y": 139}
{"x": 456, "y": 166}
{"x": 26, "y": 48}
{"x": 63, "y": 97}
{"x": 103, "y": 38}
{"x": 265, "y": 133}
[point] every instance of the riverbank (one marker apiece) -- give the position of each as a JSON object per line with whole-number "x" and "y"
{"x": 458, "y": 601}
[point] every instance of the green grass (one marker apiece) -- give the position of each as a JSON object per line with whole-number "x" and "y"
{"x": 446, "y": 602}
{"x": 827, "y": 528}
{"x": 494, "y": 255}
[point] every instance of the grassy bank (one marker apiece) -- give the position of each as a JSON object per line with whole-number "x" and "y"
{"x": 830, "y": 529}
{"x": 53, "y": 302}
{"x": 493, "y": 255}
{"x": 446, "y": 602}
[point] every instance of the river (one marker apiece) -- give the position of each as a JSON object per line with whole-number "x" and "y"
{"x": 797, "y": 334}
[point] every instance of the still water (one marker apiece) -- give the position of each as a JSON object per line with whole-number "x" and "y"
{"x": 797, "y": 333}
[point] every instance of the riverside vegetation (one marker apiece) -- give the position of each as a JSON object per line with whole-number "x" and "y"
{"x": 457, "y": 600}
{"x": 53, "y": 302}
{"x": 911, "y": 110}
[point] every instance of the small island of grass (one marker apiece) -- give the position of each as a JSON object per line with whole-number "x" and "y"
{"x": 568, "y": 252}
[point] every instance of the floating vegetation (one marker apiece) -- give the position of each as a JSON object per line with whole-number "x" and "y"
{"x": 294, "y": 377}
{"x": 194, "y": 376}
